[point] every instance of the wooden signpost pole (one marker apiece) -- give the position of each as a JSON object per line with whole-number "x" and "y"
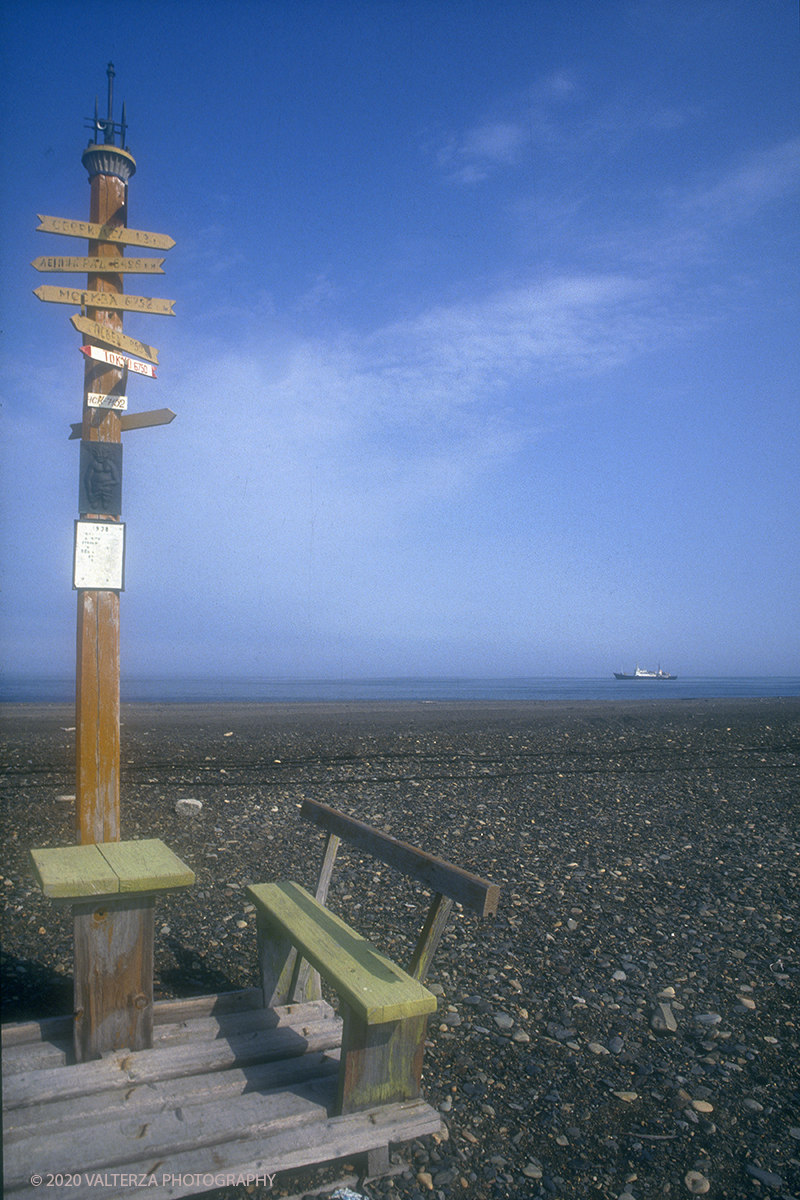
{"x": 97, "y": 689}
{"x": 113, "y": 913}
{"x": 113, "y": 941}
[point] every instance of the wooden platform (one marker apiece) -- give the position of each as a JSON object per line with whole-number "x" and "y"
{"x": 229, "y": 1090}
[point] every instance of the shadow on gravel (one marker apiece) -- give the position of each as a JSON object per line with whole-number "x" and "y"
{"x": 31, "y": 991}
{"x": 190, "y": 976}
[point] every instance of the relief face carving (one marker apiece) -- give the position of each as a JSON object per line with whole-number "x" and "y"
{"x": 101, "y": 478}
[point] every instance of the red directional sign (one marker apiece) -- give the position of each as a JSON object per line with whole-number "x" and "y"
{"x": 119, "y": 360}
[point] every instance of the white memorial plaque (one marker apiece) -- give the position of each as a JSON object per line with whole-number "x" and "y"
{"x": 99, "y": 563}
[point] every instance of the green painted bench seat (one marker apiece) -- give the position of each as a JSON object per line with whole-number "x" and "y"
{"x": 109, "y": 869}
{"x": 374, "y": 987}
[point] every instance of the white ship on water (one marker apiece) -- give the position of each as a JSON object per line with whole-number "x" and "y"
{"x": 640, "y": 673}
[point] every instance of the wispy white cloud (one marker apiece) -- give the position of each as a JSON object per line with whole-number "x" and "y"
{"x": 762, "y": 178}
{"x": 479, "y": 151}
{"x": 554, "y": 116}
{"x": 420, "y": 409}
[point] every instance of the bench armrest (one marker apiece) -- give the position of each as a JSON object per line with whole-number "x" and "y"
{"x": 374, "y": 987}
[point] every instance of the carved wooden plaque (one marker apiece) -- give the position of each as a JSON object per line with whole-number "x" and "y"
{"x": 100, "y": 490}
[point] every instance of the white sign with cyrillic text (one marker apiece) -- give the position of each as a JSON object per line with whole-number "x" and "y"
{"x": 99, "y": 562}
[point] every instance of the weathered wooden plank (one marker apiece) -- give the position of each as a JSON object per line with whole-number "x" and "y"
{"x": 121, "y": 1070}
{"x": 227, "y": 1163}
{"x": 110, "y": 232}
{"x": 277, "y": 958}
{"x": 146, "y": 865}
{"x": 113, "y": 337}
{"x": 63, "y": 872}
{"x": 111, "y": 1145}
{"x": 164, "y": 1012}
{"x": 205, "y": 1006}
{"x": 84, "y": 298}
{"x": 375, "y": 987}
{"x": 97, "y": 705}
{"x": 146, "y": 420}
{"x": 111, "y": 265}
{"x": 462, "y": 886}
{"x": 380, "y": 1064}
{"x": 106, "y": 869}
{"x": 113, "y": 976}
{"x": 305, "y": 980}
{"x": 143, "y": 1100}
{"x": 39, "y": 1051}
{"x": 37, "y": 1056}
{"x": 429, "y": 938}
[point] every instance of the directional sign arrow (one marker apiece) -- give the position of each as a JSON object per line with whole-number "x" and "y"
{"x": 110, "y": 337}
{"x": 118, "y": 360}
{"x": 144, "y": 420}
{"x": 115, "y": 300}
{"x": 105, "y": 233}
{"x": 101, "y": 266}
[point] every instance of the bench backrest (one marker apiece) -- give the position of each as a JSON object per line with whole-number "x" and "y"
{"x": 450, "y": 884}
{"x": 458, "y": 885}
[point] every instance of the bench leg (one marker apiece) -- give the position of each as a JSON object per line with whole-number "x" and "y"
{"x": 113, "y": 976}
{"x": 380, "y": 1064}
{"x": 378, "y": 1162}
{"x": 283, "y": 978}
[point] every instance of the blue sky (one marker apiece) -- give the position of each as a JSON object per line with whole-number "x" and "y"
{"x": 485, "y": 354}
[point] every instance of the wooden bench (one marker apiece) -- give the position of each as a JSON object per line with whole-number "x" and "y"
{"x": 241, "y": 1085}
{"x": 111, "y": 887}
{"x": 384, "y": 1007}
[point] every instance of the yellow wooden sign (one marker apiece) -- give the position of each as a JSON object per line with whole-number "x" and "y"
{"x": 101, "y": 266}
{"x": 86, "y": 299}
{"x": 105, "y": 233}
{"x": 111, "y": 337}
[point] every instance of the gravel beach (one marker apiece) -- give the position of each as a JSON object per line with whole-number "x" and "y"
{"x": 626, "y": 1028}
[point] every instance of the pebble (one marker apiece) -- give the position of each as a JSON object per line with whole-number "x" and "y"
{"x": 768, "y": 1178}
{"x": 662, "y": 1020}
{"x": 188, "y": 807}
{"x": 697, "y": 1183}
{"x": 575, "y": 1054}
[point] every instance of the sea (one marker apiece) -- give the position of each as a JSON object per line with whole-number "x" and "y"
{"x": 203, "y": 690}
